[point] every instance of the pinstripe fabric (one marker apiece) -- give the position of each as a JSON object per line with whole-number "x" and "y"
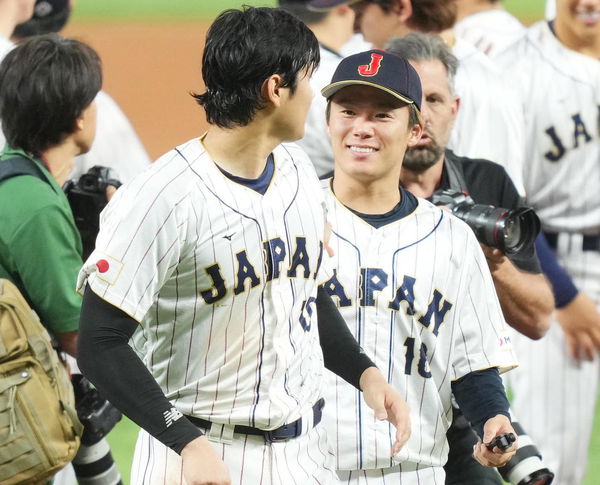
{"x": 301, "y": 461}
{"x": 222, "y": 280}
{"x": 397, "y": 475}
{"x": 404, "y": 264}
{"x": 555, "y": 396}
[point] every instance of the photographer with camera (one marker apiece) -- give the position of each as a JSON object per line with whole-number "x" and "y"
{"x": 432, "y": 171}
{"x": 48, "y": 86}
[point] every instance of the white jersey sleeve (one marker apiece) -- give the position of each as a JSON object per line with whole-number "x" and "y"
{"x": 490, "y": 120}
{"x": 116, "y": 145}
{"x": 491, "y": 31}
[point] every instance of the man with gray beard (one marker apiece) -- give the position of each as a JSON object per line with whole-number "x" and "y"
{"x": 524, "y": 293}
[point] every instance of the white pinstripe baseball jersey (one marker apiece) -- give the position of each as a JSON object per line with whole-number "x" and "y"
{"x": 490, "y": 119}
{"x": 491, "y": 31}
{"x": 562, "y": 129}
{"x": 418, "y": 296}
{"x": 555, "y": 396}
{"x": 223, "y": 281}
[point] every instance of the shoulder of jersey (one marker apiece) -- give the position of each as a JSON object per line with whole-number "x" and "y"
{"x": 172, "y": 173}
{"x": 540, "y": 46}
{"x": 292, "y": 152}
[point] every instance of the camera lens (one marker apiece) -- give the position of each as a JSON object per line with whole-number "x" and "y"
{"x": 512, "y": 233}
{"x": 89, "y": 182}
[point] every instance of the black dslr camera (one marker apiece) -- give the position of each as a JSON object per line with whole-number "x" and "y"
{"x": 97, "y": 415}
{"x": 511, "y": 231}
{"x": 87, "y": 198}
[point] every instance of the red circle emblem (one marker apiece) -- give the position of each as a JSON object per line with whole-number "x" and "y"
{"x": 102, "y": 266}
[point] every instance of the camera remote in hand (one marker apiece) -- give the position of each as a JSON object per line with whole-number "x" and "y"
{"x": 502, "y": 441}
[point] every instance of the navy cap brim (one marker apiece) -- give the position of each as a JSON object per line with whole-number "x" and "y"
{"x": 329, "y": 90}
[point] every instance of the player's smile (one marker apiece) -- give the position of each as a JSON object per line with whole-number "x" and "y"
{"x": 361, "y": 149}
{"x": 584, "y": 14}
{"x": 369, "y": 131}
{"x": 588, "y": 17}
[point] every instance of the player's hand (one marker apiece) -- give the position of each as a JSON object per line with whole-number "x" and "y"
{"x": 494, "y": 256}
{"x": 580, "y": 321}
{"x": 202, "y": 465}
{"x": 493, "y": 427}
{"x": 387, "y": 404}
{"x": 110, "y": 191}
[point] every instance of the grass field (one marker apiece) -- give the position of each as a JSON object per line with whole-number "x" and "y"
{"x": 122, "y": 439}
{"x": 157, "y": 10}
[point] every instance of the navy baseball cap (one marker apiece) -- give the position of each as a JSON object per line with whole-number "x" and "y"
{"x": 47, "y": 8}
{"x": 379, "y": 69}
{"x": 320, "y": 5}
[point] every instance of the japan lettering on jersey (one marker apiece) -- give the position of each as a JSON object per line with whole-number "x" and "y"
{"x": 562, "y": 128}
{"x": 418, "y": 296}
{"x": 223, "y": 280}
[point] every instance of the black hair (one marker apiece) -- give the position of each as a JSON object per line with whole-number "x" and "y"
{"x": 46, "y": 83}
{"x": 244, "y": 48}
{"x": 299, "y": 8}
{"x": 43, "y": 25}
{"x": 427, "y": 16}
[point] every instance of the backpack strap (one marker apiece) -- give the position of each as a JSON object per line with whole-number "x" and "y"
{"x": 15, "y": 166}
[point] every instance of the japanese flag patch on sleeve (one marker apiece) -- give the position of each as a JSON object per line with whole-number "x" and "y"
{"x": 101, "y": 267}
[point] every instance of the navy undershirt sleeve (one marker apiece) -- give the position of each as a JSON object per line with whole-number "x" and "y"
{"x": 480, "y": 396}
{"x": 341, "y": 352}
{"x": 562, "y": 285}
{"x": 106, "y": 359}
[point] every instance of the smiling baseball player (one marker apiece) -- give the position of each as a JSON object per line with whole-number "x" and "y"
{"x": 412, "y": 284}
{"x": 555, "y": 396}
{"x": 216, "y": 253}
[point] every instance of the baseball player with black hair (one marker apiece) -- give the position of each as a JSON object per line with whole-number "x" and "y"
{"x": 216, "y": 252}
{"x": 412, "y": 284}
{"x": 524, "y": 294}
{"x": 556, "y": 395}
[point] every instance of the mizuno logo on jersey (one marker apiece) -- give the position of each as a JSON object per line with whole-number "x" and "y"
{"x": 171, "y": 416}
{"x": 253, "y": 269}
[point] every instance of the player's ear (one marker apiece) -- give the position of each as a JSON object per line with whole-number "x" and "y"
{"x": 79, "y": 123}
{"x": 404, "y": 9}
{"x": 414, "y": 134}
{"x": 272, "y": 90}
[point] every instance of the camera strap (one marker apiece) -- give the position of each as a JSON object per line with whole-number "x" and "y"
{"x": 16, "y": 166}
{"x": 456, "y": 179}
